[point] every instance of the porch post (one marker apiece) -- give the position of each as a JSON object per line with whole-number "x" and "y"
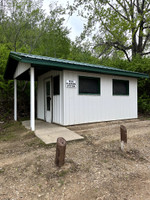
{"x": 15, "y": 99}
{"x": 32, "y": 100}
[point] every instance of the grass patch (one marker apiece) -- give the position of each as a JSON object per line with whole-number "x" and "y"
{"x": 28, "y": 135}
{"x": 62, "y": 173}
{"x": 2, "y": 170}
{"x": 35, "y": 142}
{"x": 61, "y": 182}
{"x": 15, "y": 131}
{"x": 11, "y": 131}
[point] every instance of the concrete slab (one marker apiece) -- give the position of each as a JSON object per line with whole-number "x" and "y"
{"x": 49, "y": 133}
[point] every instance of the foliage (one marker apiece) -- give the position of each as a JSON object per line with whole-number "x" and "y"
{"x": 9, "y": 131}
{"x": 81, "y": 54}
{"x": 121, "y": 25}
{"x": 54, "y": 41}
{"x": 24, "y": 27}
{"x": 6, "y": 87}
{"x": 21, "y": 24}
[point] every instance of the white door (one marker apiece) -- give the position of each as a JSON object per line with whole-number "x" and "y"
{"x": 48, "y": 104}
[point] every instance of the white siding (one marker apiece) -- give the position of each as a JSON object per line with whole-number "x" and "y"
{"x": 57, "y": 99}
{"x": 71, "y": 108}
{"x": 93, "y": 108}
{"x": 40, "y": 99}
{"x": 21, "y": 68}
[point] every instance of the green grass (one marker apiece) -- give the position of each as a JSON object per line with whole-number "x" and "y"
{"x": 14, "y": 131}
{"x": 35, "y": 142}
{"x": 63, "y": 173}
{"x": 2, "y": 170}
{"x": 11, "y": 131}
{"x": 61, "y": 182}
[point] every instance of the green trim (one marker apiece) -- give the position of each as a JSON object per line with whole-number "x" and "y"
{"x": 93, "y": 94}
{"x": 86, "y": 68}
{"x": 15, "y": 57}
{"x": 90, "y": 78}
{"x": 126, "y": 85}
{"x": 47, "y": 63}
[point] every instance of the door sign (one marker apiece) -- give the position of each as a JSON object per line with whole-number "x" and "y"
{"x": 71, "y": 84}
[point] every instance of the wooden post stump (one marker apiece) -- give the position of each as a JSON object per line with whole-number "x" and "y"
{"x": 123, "y": 136}
{"x": 60, "y": 152}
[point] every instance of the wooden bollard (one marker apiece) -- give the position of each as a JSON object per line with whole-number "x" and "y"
{"x": 123, "y": 136}
{"x": 60, "y": 152}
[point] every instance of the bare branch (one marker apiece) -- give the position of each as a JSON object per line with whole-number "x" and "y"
{"x": 104, "y": 51}
{"x": 146, "y": 40}
{"x": 142, "y": 7}
{"x": 117, "y": 11}
{"x": 146, "y": 27}
{"x": 116, "y": 45}
{"x": 121, "y": 49}
{"x": 148, "y": 7}
{"x": 126, "y": 11}
{"x": 126, "y": 55}
{"x": 138, "y": 6}
{"x": 143, "y": 54}
{"x": 125, "y": 8}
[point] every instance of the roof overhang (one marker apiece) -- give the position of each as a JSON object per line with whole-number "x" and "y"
{"x": 43, "y": 64}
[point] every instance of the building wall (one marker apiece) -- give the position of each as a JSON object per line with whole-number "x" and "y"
{"x": 94, "y": 108}
{"x": 21, "y": 68}
{"x": 57, "y": 99}
{"x": 72, "y": 108}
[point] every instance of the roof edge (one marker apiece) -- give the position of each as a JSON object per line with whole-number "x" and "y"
{"x": 15, "y": 57}
{"x": 111, "y": 70}
{"x": 37, "y": 60}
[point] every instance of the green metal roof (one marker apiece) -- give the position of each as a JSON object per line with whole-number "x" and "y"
{"x": 43, "y": 64}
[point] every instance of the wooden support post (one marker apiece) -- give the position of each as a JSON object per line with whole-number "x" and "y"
{"x": 123, "y": 136}
{"x": 60, "y": 152}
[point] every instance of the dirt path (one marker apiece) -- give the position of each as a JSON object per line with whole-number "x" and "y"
{"x": 95, "y": 168}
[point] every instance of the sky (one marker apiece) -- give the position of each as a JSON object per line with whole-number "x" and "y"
{"x": 74, "y": 23}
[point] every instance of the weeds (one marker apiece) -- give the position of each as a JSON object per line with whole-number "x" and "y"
{"x": 1, "y": 170}
{"x": 61, "y": 182}
{"x": 62, "y": 173}
{"x": 11, "y": 131}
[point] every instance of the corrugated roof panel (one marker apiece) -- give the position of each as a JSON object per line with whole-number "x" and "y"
{"x": 62, "y": 60}
{"x": 66, "y": 64}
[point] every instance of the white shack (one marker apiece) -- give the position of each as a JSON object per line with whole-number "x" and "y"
{"x": 70, "y": 92}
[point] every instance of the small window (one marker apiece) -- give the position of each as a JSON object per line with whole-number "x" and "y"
{"x": 48, "y": 95}
{"x": 120, "y": 87}
{"x": 48, "y": 103}
{"x": 47, "y": 88}
{"x": 89, "y": 85}
{"x": 56, "y": 85}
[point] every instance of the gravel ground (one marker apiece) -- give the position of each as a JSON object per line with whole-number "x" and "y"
{"x": 95, "y": 168}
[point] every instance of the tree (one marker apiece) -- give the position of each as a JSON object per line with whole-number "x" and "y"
{"x": 21, "y": 25}
{"x": 25, "y": 28}
{"x": 54, "y": 41}
{"x": 120, "y": 25}
{"x": 81, "y": 53}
